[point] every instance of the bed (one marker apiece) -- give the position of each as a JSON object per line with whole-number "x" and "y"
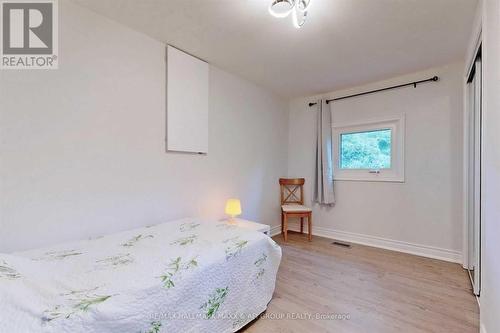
{"x": 190, "y": 275}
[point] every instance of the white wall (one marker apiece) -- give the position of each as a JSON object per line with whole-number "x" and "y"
{"x": 82, "y": 148}
{"x": 422, "y": 215}
{"x": 490, "y": 251}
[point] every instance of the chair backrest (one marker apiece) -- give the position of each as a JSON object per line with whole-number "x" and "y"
{"x": 289, "y": 188}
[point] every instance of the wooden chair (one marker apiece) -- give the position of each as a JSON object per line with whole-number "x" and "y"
{"x": 292, "y": 205}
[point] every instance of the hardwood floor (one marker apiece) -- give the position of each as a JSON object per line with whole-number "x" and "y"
{"x": 380, "y": 291}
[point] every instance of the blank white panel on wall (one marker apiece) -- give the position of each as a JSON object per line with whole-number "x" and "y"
{"x": 187, "y": 102}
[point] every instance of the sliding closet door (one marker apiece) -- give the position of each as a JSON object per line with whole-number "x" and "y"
{"x": 474, "y": 176}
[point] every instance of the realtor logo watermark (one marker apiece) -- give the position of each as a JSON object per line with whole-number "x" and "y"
{"x": 29, "y": 34}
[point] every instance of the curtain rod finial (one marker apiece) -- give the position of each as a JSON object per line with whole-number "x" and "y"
{"x": 435, "y": 78}
{"x": 311, "y": 104}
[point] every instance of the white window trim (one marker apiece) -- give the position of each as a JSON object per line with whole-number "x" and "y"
{"x": 397, "y": 171}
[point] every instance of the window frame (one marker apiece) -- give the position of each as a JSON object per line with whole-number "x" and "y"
{"x": 393, "y": 174}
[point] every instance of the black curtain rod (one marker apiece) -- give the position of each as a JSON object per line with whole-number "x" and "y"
{"x": 414, "y": 84}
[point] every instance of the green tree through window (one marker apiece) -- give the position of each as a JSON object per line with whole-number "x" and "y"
{"x": 366, "y": 150}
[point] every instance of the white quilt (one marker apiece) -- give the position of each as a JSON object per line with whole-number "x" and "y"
{"x": 185, "y": 276}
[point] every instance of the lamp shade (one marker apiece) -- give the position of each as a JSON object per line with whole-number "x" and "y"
{"x": 233, "y": 207}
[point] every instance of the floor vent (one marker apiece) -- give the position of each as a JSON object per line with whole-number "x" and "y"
{"x": 336, "y": 243}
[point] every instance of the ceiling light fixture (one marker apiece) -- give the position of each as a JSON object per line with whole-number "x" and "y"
{"x": 298, "y": 9}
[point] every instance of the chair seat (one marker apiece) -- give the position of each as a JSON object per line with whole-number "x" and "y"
{"x": 295, "y": 208}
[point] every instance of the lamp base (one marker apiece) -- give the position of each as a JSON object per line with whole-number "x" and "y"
{"x": 231, "y": 220}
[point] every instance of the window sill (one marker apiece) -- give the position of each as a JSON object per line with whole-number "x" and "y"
{"x": 370, "y": 179}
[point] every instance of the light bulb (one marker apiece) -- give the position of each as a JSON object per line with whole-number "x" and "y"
{"x": 304, "y": 5}
{"x": 281, "y": 8}
{"x": 295, "y": 18}
{"x": 298, "y": 9}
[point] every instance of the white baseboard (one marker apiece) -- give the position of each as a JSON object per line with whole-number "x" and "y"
{"x": 384, "y": 243}
{"x": 276, "y": 230}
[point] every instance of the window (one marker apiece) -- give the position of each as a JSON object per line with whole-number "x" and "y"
{"x": 369, "y": 151}
{"x": 366, "y": 150}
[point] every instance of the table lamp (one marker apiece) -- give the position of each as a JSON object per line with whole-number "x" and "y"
{"x": 233, "y": 209}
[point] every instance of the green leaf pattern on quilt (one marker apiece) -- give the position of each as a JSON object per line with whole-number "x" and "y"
{"x": 185, "y": 240}
{"x": 59, "y": 255}
{"x": 175, "y": 268}
{"x": 234, "y": 246}
{"x": 155, "y": 327}
{"x": 117, "y": 260}
{"x": 85, "y": 303}
{"x": 132, "y": 241}
{"x": 259, "y": 263}
{"x": 188, "y": 226}
{"x": 212, "y": 305}
{"x": 77, "y": 302}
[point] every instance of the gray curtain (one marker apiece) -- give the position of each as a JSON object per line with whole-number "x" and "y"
{"x": 323, "y": 179}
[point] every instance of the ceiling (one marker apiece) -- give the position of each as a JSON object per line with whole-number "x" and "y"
{"x": 343, "y": 43}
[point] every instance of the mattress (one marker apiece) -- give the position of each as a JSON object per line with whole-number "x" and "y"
{"x": 190, "y": 275}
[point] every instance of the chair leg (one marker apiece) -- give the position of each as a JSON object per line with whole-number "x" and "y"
{"x": 285, "y": 227}
{"x": 301, "y": 225}
{"x": 282, "y": 221}
{"x": 309, "y": 220}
